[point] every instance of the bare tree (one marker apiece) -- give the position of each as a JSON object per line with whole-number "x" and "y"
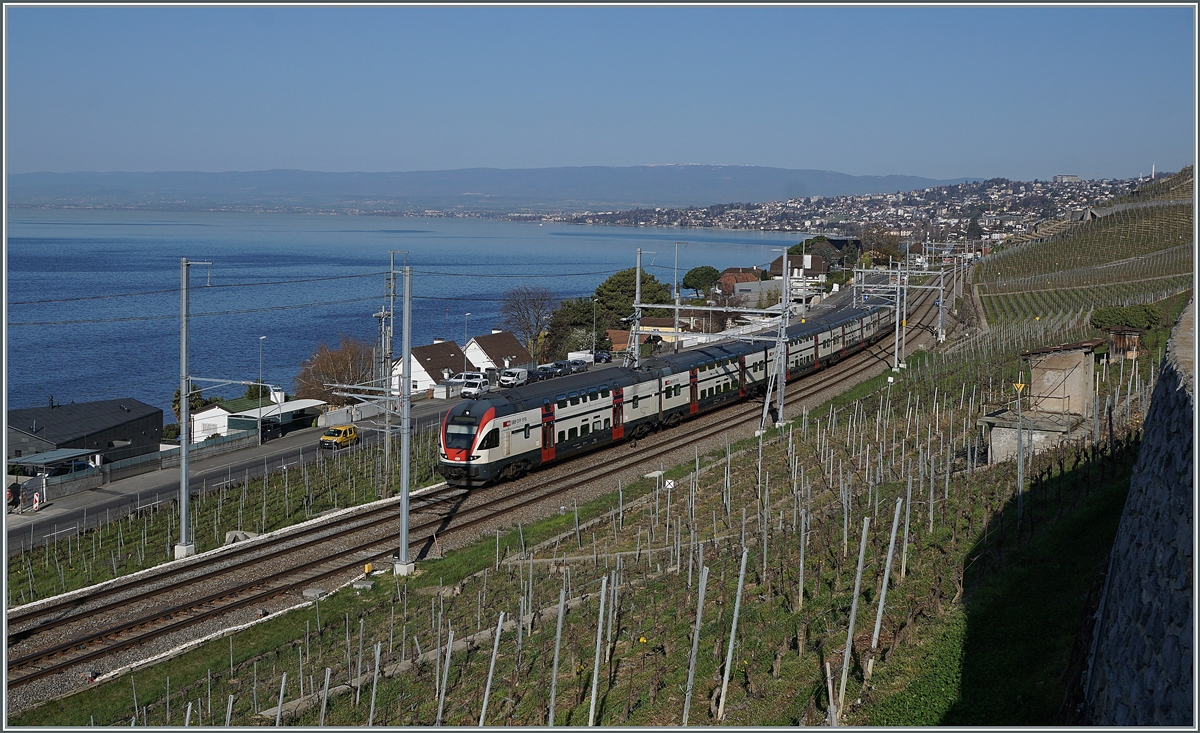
{"x": 526, "y": 311}
{"x": 720, "y": 319}
{"x": 352, "y": 362}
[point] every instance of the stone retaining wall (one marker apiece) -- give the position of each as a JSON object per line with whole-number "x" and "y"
{"x": 1141, "y": 667}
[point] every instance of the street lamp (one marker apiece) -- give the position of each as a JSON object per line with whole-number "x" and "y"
{"x": 259, "y": 387}
{"x": 464, "y": 346}
{"x": 593, "y": 330}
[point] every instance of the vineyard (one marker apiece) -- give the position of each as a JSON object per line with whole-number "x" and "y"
{"x": 120, "y": 543}
{"x": 746, "y": 587}
{"x": 1135, "y": 254}
{"x": 1178, "y": 187}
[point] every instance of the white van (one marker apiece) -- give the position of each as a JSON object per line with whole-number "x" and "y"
{"x": 514, "y": 377}
{"x": 473, "y": 389}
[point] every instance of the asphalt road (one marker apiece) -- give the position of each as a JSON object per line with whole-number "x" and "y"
{"x": 69, "y": 513}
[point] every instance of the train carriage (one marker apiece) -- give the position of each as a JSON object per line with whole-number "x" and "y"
{"x": 513, "y": 431}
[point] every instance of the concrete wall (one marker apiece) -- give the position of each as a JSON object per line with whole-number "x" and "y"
{"x": 1004, "y": 442}
{"x": 1062, "y": 382}
{"x": 1141, "y": 667}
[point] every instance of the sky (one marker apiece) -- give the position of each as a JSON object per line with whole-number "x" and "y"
{"x": 943, "y": 92}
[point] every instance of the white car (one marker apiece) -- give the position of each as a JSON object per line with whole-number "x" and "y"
{"x": 473, "y": 389}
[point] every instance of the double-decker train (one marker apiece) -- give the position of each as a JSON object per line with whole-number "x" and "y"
{"x": 514, "y": 431}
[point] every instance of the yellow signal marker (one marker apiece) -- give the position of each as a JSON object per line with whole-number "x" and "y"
{"x": 1018, "y": 386}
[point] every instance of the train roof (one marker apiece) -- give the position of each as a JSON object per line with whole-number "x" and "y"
{"x": 529, "y": 396}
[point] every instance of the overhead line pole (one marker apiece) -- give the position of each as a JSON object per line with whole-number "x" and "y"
{"x": 186, "y": 546}
{"x": 404, "y": 566}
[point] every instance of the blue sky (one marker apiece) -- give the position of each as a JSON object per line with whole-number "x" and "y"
{"x": 1020, "y": 92}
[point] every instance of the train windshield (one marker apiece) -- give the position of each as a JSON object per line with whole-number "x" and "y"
{"x": 460, "y": 432}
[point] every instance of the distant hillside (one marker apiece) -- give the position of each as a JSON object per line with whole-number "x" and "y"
{"x": 478, "y": 190}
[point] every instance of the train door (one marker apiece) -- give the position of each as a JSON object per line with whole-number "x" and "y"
{"x": 693, "y": 392}
{"x": 742, "y": 376}
{"x": 547, "y": 431}
{"x": 843, "y": 342}
{"x": 618, "y": 413}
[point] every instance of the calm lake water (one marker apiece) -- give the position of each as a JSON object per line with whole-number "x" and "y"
{"x": 93, "y": 296}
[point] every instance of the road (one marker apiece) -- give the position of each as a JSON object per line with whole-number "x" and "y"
{"x": 69, "y": 513}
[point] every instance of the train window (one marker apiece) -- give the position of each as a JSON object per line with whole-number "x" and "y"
{"x": 561, "y": 400}
{"x": 584, "y": 430}
{"x": 596, "y": 425}
{"x": 491, "y": 440}
{"x": 526, "y": 432}
{"x": 607, "y": 423}
{"x": 572, "y": 434}
{"x": 593, "y": 394}
{"x": 574, "y": 398}
{"x": 678, "y": 389}
{"x": 604, "y": 392}
{"x": 635, "y": 402}
{"x": 561, "y": 436}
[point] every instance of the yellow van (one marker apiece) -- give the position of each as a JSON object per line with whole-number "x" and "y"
{"x": 339, "y": 436}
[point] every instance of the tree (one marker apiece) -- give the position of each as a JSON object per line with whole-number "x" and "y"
{"x": 570, "y": 328}
{"x": 701, "y": 279}
{"x": 352, "y": 362}
{"x": 720, "y": 319}
{"x": 806, "y": 247}
{"x": 882, "y": 241}
{"x": 974, "y": 231}
{"x": 615, "y": 295}
{"x": 527, "y": 311}
{"x": 196, "y": 402}
{"x": 257, "y": 391}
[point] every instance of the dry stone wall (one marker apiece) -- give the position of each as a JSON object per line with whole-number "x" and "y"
{"x": 1141, "y": 668}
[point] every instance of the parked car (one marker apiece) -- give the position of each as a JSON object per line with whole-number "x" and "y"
{"x": 339, "y": 436}
{"x": 578, "y": 365}
{"x": 545, "y": 372}
{"x": 63, "y": 469}
{"x": 473, "y": 389}
{"x": 602, "y": 357}
{"x": 561, "y": 368}
{"x": 271, "y": 429}
{"x": 465, "y": 376}
{"x": 514, "y": 377}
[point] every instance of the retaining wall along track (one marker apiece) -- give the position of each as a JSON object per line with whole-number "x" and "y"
{"x": 1141, "y": 668}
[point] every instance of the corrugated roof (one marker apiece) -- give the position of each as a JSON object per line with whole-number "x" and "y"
{"x": 64, "y": 423}
{"x": 52, "y": 456}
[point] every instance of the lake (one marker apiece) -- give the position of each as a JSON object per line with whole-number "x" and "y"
{"x": 93, "y": 295}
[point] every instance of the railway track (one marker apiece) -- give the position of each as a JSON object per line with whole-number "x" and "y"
{"x": 128, "y": 612}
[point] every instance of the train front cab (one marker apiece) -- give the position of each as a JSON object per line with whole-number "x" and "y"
{"x": 461, "y": 460}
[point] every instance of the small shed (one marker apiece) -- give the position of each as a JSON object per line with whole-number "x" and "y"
{"x": 1124, "y": 342}
{"x": 1062, "y": 377}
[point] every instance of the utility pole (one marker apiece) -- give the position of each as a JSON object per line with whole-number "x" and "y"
{"x": 635, "y": 359}
{"x": 186, "y": 546}
{"x": 403, "y": 565}
{"x": 675, "y": 292}
{"x": 386, "y": 324}
{"x": 784, "y": 317}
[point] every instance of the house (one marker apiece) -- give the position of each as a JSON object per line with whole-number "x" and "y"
{"x": 810, "y": 266}
{"x": 498, "y": 350}
{"x": 664, "y": 327}
{"x": 733, "y": 275}
{"x": 620, "y": 339}
{"x": 245, "y": 413}
{"x": 112, "y": 429}
{"x": 433, "y": 363}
